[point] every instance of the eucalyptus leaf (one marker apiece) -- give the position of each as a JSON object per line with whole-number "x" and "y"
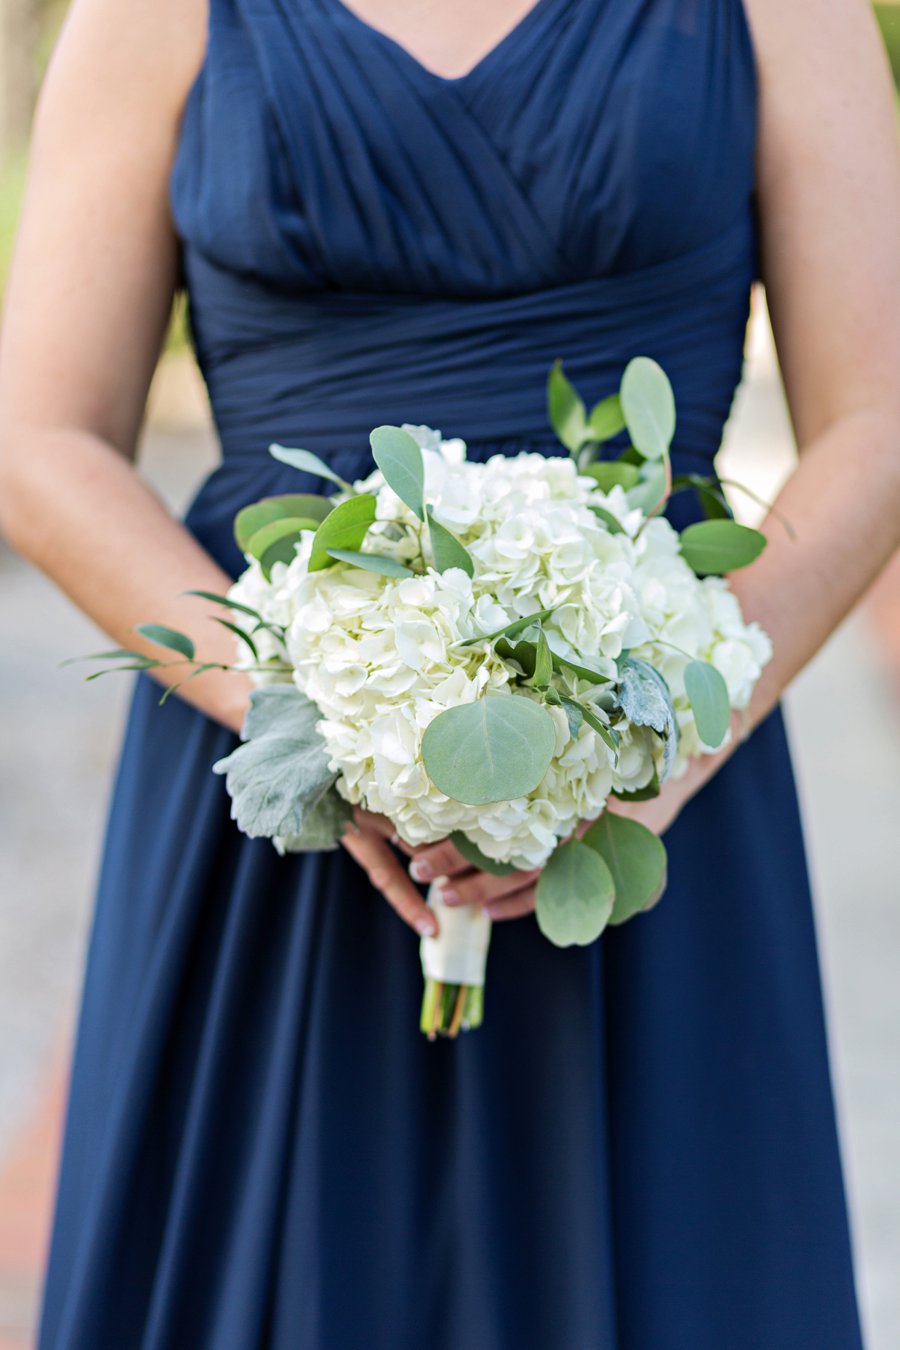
{"x": 448, "y": 551}
{"x": 606, "y": 418}
{"x": 307, "y": 462}
{"x": 372, "y": 562}
{"x": 492, "y": 750}
{"x": 574, "y": 895}
{"x": 399, "y": 457}
{"x": 636, "y": 858}
{"x": 281, "y": 769}
{"x": 712, "y": 547}
{"x": 294, "y": 505}
{"x": 346, "y": 527}
{"x": 610, "y": 473}
{"x": 565, "y": 408}
{"x": 648, "y": 405}
{"x": 650, "y": 488}
{"x": 473, "y": 854}
{"x": 708, "y": 694}
{"x": 277, "y": 541}
{"x": 167, "y": 637}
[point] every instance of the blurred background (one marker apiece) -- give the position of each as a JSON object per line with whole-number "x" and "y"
{"x": 60, "y": 737}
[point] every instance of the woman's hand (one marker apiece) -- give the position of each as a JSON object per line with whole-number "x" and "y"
{"x": 368, "y": 840}
{"x": 511, "y": 896}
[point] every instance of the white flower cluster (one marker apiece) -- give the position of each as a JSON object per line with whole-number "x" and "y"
{"x": 381, "y": 656}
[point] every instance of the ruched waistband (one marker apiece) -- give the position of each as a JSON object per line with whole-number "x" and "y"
{"x": 320, "y": 369}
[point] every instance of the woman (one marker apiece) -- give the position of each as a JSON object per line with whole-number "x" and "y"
{"x": 394, "y": 212}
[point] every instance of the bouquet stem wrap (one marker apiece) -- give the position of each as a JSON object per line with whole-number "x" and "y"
{"x": 453, "y": 964}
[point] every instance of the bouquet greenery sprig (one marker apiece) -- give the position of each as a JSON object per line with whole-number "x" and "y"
{"x": 490, "y": 652}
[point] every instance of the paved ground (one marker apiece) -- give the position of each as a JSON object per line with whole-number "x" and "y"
{"x": 58, "y": 744}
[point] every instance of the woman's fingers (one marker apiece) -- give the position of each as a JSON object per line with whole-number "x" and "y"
{"x": 384, "y": 870}
{"x": 437, "y": 860}
{"x": 512, "y": 906}
{"x": 482, "y": 888}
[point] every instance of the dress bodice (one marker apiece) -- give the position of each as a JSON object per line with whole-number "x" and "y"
{"x": 366, "y": 241}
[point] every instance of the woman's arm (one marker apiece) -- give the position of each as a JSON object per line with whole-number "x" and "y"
{"x": 87, "y": 307}
{"x": 828, "y": 173}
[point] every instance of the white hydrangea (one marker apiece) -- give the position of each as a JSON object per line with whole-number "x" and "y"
{"x": 382, "y": 657}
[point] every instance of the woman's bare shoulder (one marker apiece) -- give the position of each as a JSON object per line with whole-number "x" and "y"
{"x": 108, "y": 53}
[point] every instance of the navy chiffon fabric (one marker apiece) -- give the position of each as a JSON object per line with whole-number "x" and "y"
{"x": 637, "y": 1150}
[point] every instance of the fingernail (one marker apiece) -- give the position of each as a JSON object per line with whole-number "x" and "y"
{"x": 425, "y": 926}
{"x": 420, "y": 870}
{"x": 450, "y": 897}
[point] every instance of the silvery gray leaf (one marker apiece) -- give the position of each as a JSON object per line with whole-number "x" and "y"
{"x": 322, "y": 826}
{"x": 646, "y": 700}
{"x": 282, "y": 769}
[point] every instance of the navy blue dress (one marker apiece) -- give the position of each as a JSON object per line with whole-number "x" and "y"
{"x": 637, "y": 1150}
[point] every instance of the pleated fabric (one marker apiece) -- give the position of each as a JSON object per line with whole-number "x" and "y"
{"x": 637, "y": 1150}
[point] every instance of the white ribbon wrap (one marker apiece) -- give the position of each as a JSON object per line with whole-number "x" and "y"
{"x": 458, "y": 954}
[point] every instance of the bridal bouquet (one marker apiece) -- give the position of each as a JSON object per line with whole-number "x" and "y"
{"x": 489, "y": 651}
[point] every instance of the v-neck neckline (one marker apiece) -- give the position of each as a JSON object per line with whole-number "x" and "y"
{"x": 500, "y": 47}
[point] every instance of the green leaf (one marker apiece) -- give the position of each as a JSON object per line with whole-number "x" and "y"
{"x": 612, "y": 523}
{"x": 650, "y": 488}
{"x": 606, "y": 418}
{"x": 565, "y": 409}
{"x": 240, "y": 634}
{"x": 295, "y": 505}
{"x": 372, "y": 562}
{"x": 646, "y": 700}
{"x": 282, "y": 768}
{"x": 307, "y": 462}
{"x": 323, "y": 825}
{"x": 492, "y": 750}
{"x": 574, "y": 712}
{"x": 473, "y": 854}
{"x": 524, "y": 652}
{"x": 167, "y": 637}
{"x": 574, "y": 896}
{"x": 709, "y": 494}
{"x": 585, "y": 672}
{"x": 448, "y": 551}
{"x": 277, "y": 541}
{"x": 345, "y": 527}
{"x": 648, "y": 405}
{"x": 117, "y": 654}
{"x": 543, "y": 662}
{"x": 636, "y": 858}
{"x": 708, "y": 695}
{"x": 141, "y": 663}
{"x": 399, "y": 457}
{"x": 511, "y": 629}
{"x": 223, "y": 600}
{"x": 611, "y": 473}
{"x": 712, "y": 547}
{"x": 603, "y": 729}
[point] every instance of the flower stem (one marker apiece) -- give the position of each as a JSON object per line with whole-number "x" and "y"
{"x": 448, "y": 1009}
